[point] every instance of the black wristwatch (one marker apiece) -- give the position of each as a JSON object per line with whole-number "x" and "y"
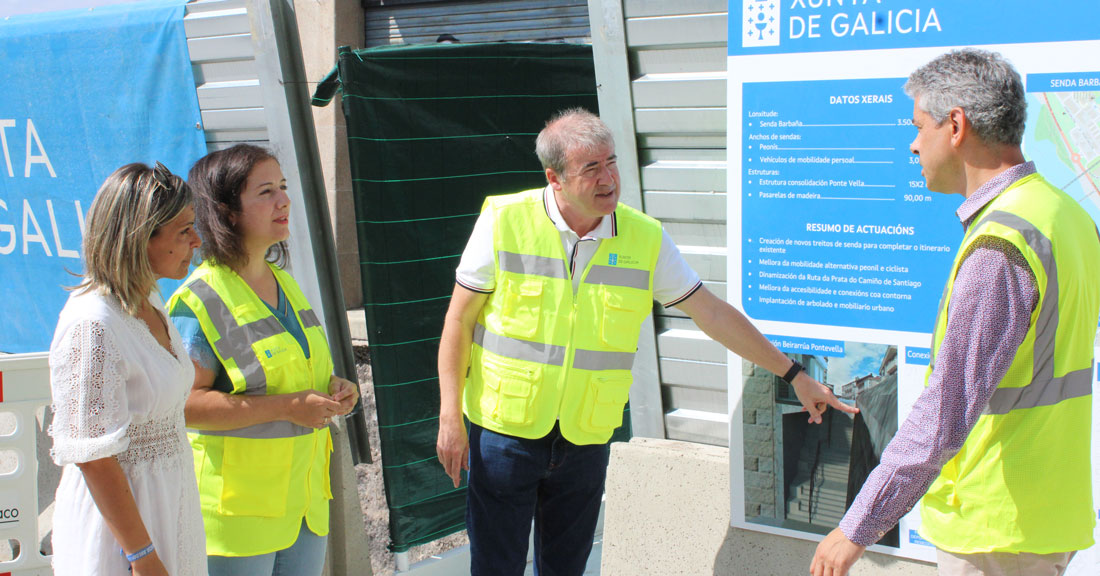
{"x": 794, "y": 370}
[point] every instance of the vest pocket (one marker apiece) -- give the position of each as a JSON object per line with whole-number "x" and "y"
{"x": 624, "y": 310}
{"x": 255, "y": 476}
{"x": 522, "y": 301}
{"x": 285, "y": 366}
{"x": 604, "y": 401}
{"x": 511, "y": 393}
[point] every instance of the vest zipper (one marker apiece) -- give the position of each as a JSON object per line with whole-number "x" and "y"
{"x": 570, "y": 349}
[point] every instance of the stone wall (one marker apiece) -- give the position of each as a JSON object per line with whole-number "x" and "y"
{"x": 761, "y": 473}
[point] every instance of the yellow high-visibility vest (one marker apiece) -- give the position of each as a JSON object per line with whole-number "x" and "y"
{"x": 544, "y": 353}
{"x": 257, "y": 483}
{"x": 1021, "y": 482}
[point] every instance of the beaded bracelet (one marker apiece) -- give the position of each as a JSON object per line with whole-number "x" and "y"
{"x": 131, "y": 558}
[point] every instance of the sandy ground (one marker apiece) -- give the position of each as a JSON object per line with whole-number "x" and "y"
{"x": 371, "y": 493}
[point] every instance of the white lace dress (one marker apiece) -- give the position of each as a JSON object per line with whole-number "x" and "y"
{"x": 117, "y": 392}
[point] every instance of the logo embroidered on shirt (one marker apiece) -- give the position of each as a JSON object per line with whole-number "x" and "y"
{"x": 613, "y": 259}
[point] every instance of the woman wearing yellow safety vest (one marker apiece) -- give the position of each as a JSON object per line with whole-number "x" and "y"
{"x": 264, "y": 392}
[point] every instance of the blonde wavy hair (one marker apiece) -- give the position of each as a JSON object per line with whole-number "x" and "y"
{"x": 133, "y": 203}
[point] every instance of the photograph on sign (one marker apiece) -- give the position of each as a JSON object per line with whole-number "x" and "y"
{"x": 804, "y": 476}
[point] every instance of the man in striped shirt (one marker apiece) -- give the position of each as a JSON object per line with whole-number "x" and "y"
{"x": 999, "y": 438}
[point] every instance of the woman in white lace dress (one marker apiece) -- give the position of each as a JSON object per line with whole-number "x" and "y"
{"x": 128, "y": 501}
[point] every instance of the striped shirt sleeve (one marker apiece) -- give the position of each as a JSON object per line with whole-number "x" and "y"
{"x": 987, "y": 319}
{"x": 673, "y": 280}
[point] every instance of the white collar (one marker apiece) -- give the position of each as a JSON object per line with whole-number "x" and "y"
{"x": 607, "y": 228}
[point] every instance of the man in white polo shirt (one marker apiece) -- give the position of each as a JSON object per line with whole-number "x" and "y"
{"x": 538, "y": 344}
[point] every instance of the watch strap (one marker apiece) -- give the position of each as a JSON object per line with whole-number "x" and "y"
{"x": 792, "y": 372}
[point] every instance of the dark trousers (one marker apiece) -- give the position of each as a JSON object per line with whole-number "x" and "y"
{"x": 511, "y": 481}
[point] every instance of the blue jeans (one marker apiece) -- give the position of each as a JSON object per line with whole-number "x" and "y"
{"x": 306, "y": 557}
{"x": 513, "y": 480}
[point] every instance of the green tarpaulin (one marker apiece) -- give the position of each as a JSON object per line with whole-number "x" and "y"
{"x": 432, "y": 130}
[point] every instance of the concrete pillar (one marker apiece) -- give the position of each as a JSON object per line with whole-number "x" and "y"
{"x": 325, "y": 25}
{"x": 348, "y": 542}
{"x": 667, "y": 512}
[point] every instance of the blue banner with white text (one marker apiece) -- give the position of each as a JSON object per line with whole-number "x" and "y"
{"x": 84, "y": 92}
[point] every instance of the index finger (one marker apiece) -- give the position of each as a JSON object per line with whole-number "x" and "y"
{"x": 836, "y": 403}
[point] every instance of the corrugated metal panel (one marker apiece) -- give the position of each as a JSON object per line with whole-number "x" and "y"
{"x": 661, "y": 61}
{"x": 692, "y": 234}
{"x": 681, "y": 121}
{"x": 650, "y": 8}
{"x": 477, "y": 21}
{"x": 700, "y": 426}
{"x": 675, "y": 31}
{"x": 698, "y": 206}
{"x": 677, "y": 60}
{"x": 680, "y": 89}
{"x": 685, "y": 175}
{"x": 227, "y": 81}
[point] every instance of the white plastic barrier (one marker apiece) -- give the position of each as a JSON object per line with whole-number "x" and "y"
{"x": 24, "y": 391}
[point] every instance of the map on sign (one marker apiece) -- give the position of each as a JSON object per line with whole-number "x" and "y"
{"x": 1063, "y": 138}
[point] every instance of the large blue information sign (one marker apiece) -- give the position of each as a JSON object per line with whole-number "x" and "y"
{"x": 792, "y": 26}
{"x": 84, "y": 92}
{"x": 838, "y": 252}
{"x": 837, "y": 227}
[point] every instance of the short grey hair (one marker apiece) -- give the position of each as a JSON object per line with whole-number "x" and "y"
{"x": 131, "y": 206}
{"x": 980, "y": 82}
{"x": 568, "y": 130}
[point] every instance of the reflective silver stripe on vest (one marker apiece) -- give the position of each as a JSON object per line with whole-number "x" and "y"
{"x": 550, "y": 354}
{"x": 615, "y": 276}
{"x": 1072, "y": 385}
{"x": 599, "y": 360}
{"x": 532, "y": 265}
{"x": 936, "y": 329}
{"x": 1044, "y": 389}
{"x": 267, "y": 430}
{"x": 309, "y": 319}
{"x": 519, "y": 349}
{"x": 236, "y": 340}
